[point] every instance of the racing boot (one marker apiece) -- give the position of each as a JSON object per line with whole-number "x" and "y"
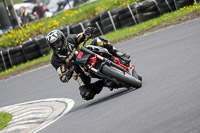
{"x": 111, "y": 85}
{"x": 134, "y": 74}
{"x": 90, "y": 90}
{"x": 97, "y": 86}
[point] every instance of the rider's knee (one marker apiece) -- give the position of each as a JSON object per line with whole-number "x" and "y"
{"x": 86, "y": 92}
{"x": 90, "y": 90}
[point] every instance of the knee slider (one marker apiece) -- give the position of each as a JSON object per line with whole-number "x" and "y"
{"x": 86, "y": 93}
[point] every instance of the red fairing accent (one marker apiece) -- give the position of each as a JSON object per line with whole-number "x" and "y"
{"x": 132, "y": 67}
{"x": 80, "y": 54}
{"x": 93, "y": 61}
{"x": 118, "y": 62}
{"x": 90, "y": 68}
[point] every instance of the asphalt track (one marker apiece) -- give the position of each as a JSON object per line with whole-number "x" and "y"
{"x": 168, "y": 102}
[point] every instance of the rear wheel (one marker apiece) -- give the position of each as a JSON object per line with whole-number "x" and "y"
{"x": 122, "y": 77}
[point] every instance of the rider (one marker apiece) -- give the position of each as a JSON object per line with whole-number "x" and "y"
{"x": 63, "y": 49}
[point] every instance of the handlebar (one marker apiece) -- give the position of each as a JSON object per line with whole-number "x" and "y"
{"x": 86, "y": 39}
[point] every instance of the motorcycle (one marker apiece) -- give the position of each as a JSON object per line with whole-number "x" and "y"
{"x": 97, "y": 62}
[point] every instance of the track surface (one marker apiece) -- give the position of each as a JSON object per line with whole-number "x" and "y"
{"x": 169, "y": 100}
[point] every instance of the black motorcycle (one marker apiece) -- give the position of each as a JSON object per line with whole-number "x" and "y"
{"x": 97, "y": 62}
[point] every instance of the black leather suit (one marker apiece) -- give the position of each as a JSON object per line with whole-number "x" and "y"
{"x": 87, "y": 89}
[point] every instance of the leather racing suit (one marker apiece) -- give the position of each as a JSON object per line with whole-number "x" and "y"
{"x": 66, "y": 70}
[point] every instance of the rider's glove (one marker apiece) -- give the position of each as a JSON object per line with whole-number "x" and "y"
{"x": 66, "y": 76}
{"x": 89, "y": 31}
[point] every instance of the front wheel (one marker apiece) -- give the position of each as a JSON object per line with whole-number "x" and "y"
{"x": 124, "y": 78}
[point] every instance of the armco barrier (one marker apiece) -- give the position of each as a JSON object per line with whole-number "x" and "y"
{"x": 66, "y": 29}
{"x": 110, "y": 21}
{"x": 127, "y": 15}
{"x": 77, "y": 28}
{"x": 105, "y": 21}
{"x": 30, "y": 49}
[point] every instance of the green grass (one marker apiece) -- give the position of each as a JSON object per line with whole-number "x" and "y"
{"x": 4, "y": 119}
{"x": 43, "y": 26}
{"x": 17, "y": 1}
{"x": 14, "y": 1}
{"x": 167, "y": 18}
{"x": 119, "y": 34}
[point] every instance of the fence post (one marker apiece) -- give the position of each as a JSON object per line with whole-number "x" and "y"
{"x": 9, "y": 57}
{"x": 99, "y": 28}
{"x": 132, "y": 14}
{"x": 112, "y": 21}
{"x": 3, "y": 60}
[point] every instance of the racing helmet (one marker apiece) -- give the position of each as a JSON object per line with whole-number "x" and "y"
{"x": 56, "y": 40}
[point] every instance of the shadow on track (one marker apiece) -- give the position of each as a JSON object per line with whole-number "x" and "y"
{"x": 103, "y": 99}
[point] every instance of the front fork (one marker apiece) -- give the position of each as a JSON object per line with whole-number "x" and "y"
{"x": 107, "y": 62}
{"x": 104, "y": 61}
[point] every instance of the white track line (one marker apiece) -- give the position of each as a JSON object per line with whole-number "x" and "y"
{"x": 60, "y": 106}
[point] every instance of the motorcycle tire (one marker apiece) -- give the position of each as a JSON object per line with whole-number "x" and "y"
{"x": 117, "y": 74}
{"x": 140, "y": 77}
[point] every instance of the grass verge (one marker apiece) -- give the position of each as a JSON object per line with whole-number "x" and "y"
{"x": 166, "y": 19}
{"x": 184, "y": 14}
{"x": 17, "y": 1}
{"x": 86, "y": 11}
{"x": 4, "y": 119}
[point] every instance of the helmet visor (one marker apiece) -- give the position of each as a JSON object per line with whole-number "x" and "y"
{"x": 58, "y": 45}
